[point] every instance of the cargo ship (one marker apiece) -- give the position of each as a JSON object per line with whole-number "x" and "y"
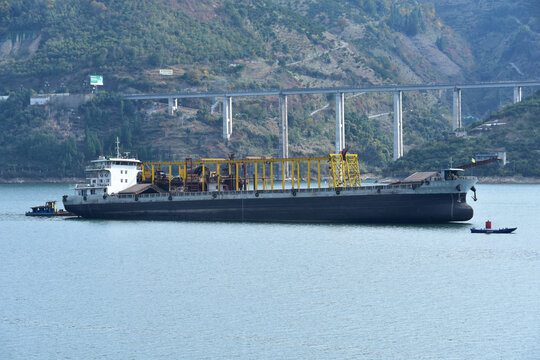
{"x": 259, "y": 189}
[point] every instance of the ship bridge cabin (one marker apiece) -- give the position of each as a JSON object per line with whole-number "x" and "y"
{"x": 452, "y": 174}
{"x": 109, "y": 176}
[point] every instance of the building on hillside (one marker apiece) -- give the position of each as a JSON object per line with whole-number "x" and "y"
{"x": 39, "y": 100}
{"x": 495, "y": 155}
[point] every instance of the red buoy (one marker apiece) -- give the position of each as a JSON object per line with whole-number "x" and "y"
{"x": 488, "y": 224}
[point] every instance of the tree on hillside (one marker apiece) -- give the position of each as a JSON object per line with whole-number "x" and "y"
{"x": 410, "y": 22}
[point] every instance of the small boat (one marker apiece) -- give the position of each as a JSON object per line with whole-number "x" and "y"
{"x": 489, "y": 230}
{"x": 49, "y": 209}
{"x": 493, "y": 231}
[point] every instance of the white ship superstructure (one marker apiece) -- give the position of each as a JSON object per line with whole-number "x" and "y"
{"x": 109, "y": 175}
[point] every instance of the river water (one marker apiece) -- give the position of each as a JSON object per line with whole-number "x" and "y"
{"x": 87, "y": 289}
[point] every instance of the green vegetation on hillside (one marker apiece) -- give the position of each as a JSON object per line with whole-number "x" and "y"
{"x": 126, "y": 35}
{"x": 122, "y": 35}
{"x": 499, "y": 33}
{"x": 410, "y": 21}
{"x": 42, "y": 152}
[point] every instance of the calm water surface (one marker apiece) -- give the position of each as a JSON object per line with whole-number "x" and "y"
{"x": 80, "y": 289}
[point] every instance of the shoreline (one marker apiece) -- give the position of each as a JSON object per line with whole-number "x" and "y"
{"x": 481, "y": 180}
{"x": 42, "y": 181}
{"x": 508, "y": 180}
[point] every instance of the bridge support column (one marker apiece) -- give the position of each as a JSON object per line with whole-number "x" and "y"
{"x": 517, "y": 94}
{"x": 340, "y": 122}
{"x": 456, "y": 110}
{"x": 173, "y": 105}
{"x": 398, "y": 125}
{"x": 284, "y": 130}
{"x": 227, "y": 118}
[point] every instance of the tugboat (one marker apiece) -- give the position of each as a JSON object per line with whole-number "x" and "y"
{"x": 47, "y": 210}
{"x": 489, "y": 230}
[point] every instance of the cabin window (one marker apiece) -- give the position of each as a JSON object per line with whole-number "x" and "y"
{"x": 93, "y": 191}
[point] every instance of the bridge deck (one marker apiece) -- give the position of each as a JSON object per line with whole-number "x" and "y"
{"x": 330, "y": 90}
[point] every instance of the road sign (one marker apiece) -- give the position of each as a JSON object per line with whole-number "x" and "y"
{"x": 166, "y": 72}
{"x": 96, "y": 80}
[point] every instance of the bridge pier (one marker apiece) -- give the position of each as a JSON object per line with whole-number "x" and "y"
{"x": 284, "y": 130}
{"x": 173, "y": 105}
{"x": 340, "y": 122}
{"x": 227, "y": 118}
{"x": 517, "y": 94}
{"x": 456, "y": 110}
{"x": 398, "y": 125}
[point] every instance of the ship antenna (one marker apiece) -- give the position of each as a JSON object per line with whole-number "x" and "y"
{"x": 117, "y": 147}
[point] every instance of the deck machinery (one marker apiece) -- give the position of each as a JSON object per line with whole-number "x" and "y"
{"x": 232, "y": 175}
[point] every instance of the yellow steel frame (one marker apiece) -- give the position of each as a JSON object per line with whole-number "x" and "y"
{"x": 342, "y": 172}
{"x": 298, "y": 174}
{"x": 319, "y": 173}
{"x": 256, "y": 180}
{"x": 283, "y": 175}
{"x": 237, "y": 176}
{"x": 337, "y": 171}
{"x": 308, "y": 174}
{"x": 272, "y": 176}
{"x": 353, "y": 170}
{"x": 292, "y": 174}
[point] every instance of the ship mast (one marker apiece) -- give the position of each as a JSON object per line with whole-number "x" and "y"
{"x": 117, "y": 147}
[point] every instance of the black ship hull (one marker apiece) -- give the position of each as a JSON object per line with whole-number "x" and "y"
{"x": 309, "y": 208}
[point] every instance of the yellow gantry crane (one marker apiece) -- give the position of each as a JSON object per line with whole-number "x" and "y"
{"x": 232, "y": 175}
{"x": 353, "y": 170}
{"x": 344, "y": 172}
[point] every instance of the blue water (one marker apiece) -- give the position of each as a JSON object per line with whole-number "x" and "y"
{"x": 80, "y": 289}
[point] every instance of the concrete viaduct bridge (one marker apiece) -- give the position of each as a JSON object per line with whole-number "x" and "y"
{"x": 340, "y": 105}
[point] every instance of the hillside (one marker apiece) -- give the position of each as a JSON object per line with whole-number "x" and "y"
{"x": 504, "y": 35}
{"x": 316, "y": 42}
{"x": 53, "y": 45}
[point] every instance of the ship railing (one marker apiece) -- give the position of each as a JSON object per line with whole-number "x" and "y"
{"x": 368, "y": 188}
{"x": 97, "y": 167}
{"x": 81, "y": 186}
